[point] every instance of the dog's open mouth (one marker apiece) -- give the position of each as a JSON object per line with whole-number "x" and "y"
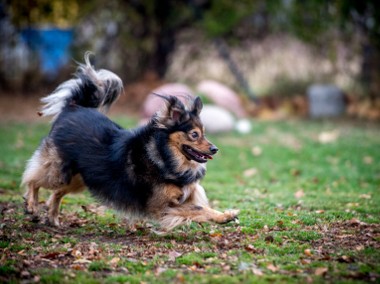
{"x": 195, "y": 155}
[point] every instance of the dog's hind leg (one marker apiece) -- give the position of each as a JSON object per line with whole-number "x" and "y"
{"x": 54, "y": 201}
{"x": 33, "y": 177}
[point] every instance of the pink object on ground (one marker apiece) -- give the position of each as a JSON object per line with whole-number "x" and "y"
{"x": 153, "y": 103}
{"x": 223, "y": 96}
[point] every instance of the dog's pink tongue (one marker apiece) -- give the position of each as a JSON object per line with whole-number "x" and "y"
{"x": 208, "y": 157}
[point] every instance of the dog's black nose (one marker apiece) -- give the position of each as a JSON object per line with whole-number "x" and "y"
{"x": 213, "y": 149}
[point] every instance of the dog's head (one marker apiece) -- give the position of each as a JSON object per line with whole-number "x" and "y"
{"x": 186, "y": 131}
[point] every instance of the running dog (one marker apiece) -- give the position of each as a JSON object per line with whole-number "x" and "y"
{"x": 151, "y": 172}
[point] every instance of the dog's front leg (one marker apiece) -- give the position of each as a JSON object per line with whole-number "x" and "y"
{"x": 196, "y": 208}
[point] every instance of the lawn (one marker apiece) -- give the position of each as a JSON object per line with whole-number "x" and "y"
{"x": 308, "y": 194}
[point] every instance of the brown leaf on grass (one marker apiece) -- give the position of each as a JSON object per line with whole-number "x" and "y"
{"x": 256, "y": 151}
{"x": 269, "y": 239}
{"x": 319, "y": 211}
{"x": 114, "y": 261}
{"x": 367, "y": 160}
{"x": 346, "y": 259}
{"x": 356, "y": 222}
{"x": 272, "y": 267}
{"x": 82, "y": 261}
{"x": 352, "y": 204}
{"x": 305, "y": 261}
{"x": 25, "y": 274}
{"x": 359, "y": 248}
{"x": 77, "y": 267}
{"x": 215, "y": 235}
{"x": 295, "y": 172}
{"x": 51, "y": 255}
{"x": 173, "y": 255}
{"x": 257, "y": 271}
{"x": 321, "y": 271}
{"x": 159, "y": 270}
{"x": 250, "y": 172}
{"x": 251, "y": 248}
{"x": 328, "y": 136}
{"x": 299, "y": 194}
{"x": 308, "y": 252}
{"x": 365, "y": 196}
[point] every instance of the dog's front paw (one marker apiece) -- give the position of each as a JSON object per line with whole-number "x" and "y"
{"x": 230, "y": 215}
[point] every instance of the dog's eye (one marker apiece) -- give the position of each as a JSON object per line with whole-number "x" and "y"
{"x": 194, "y": 135}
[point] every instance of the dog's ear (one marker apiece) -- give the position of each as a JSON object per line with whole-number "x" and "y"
{"x": 173, "y": 113}
{"x": 197, "y": 106}
{"x": 176, "y": 110}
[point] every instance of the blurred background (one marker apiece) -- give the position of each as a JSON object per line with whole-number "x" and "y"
{"x": 253, "y": 58}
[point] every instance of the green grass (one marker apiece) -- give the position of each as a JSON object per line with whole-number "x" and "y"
{"x": 309, "y": 212}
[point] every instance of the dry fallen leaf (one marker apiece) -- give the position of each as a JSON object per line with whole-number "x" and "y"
{"x": 51, "y": 255}
{"x": 328, "y": 136}
{"x": 272, "y": 267}
{"x": 215, "y": 235}
{"x": 346, "y": 259}
{"x": 257, "y": 271}
{"x": 295, "y": 172}
{"x": 355, "y": 221}
{"x": 77, "y": 267}
{"x": 359, "y": 248}
{"x": 305, "y": 261}
{"x": 308, "y": 252}
{"x": 173, "y": 255}
{"x": 368, "y": 160}
{"x": 269, "y": 239}
{"x": 352, "y": 204}
{"x": 77, "y": 253}
{"x": 256, "y": 151}
{"x": 365, "y": 196}
{"x": 159, "y": 270}
{"x": 114, "y": 261}
{"x": 251, "y": 248}
{"x": 82, "y": 261}
{"x": 321, "y": 271}
{"x": 299, "y": 194}
{"x": 250, "y": 172}
{"x": 319, "y": 211}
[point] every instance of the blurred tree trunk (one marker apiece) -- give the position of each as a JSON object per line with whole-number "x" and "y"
{"x": 370, "y": 70}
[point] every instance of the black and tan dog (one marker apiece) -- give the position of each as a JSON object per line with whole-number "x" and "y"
{"x": 152, "y": 172}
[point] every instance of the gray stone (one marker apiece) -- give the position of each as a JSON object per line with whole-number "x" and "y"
{"x": 325, "y": 101}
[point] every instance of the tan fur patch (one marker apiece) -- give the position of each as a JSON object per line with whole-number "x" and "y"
{"x": 176, "y": 142}
{"x": 44, "y": 168}
{"x": 163, "y": 197}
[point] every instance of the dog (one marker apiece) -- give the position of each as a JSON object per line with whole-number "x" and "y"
{"x": 152, "y": 172}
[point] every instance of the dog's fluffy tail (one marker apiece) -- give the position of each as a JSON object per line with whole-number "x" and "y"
{"x": 91, "y": 88}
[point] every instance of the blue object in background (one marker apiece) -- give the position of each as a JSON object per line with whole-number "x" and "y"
{"x": 52, "y": 46}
